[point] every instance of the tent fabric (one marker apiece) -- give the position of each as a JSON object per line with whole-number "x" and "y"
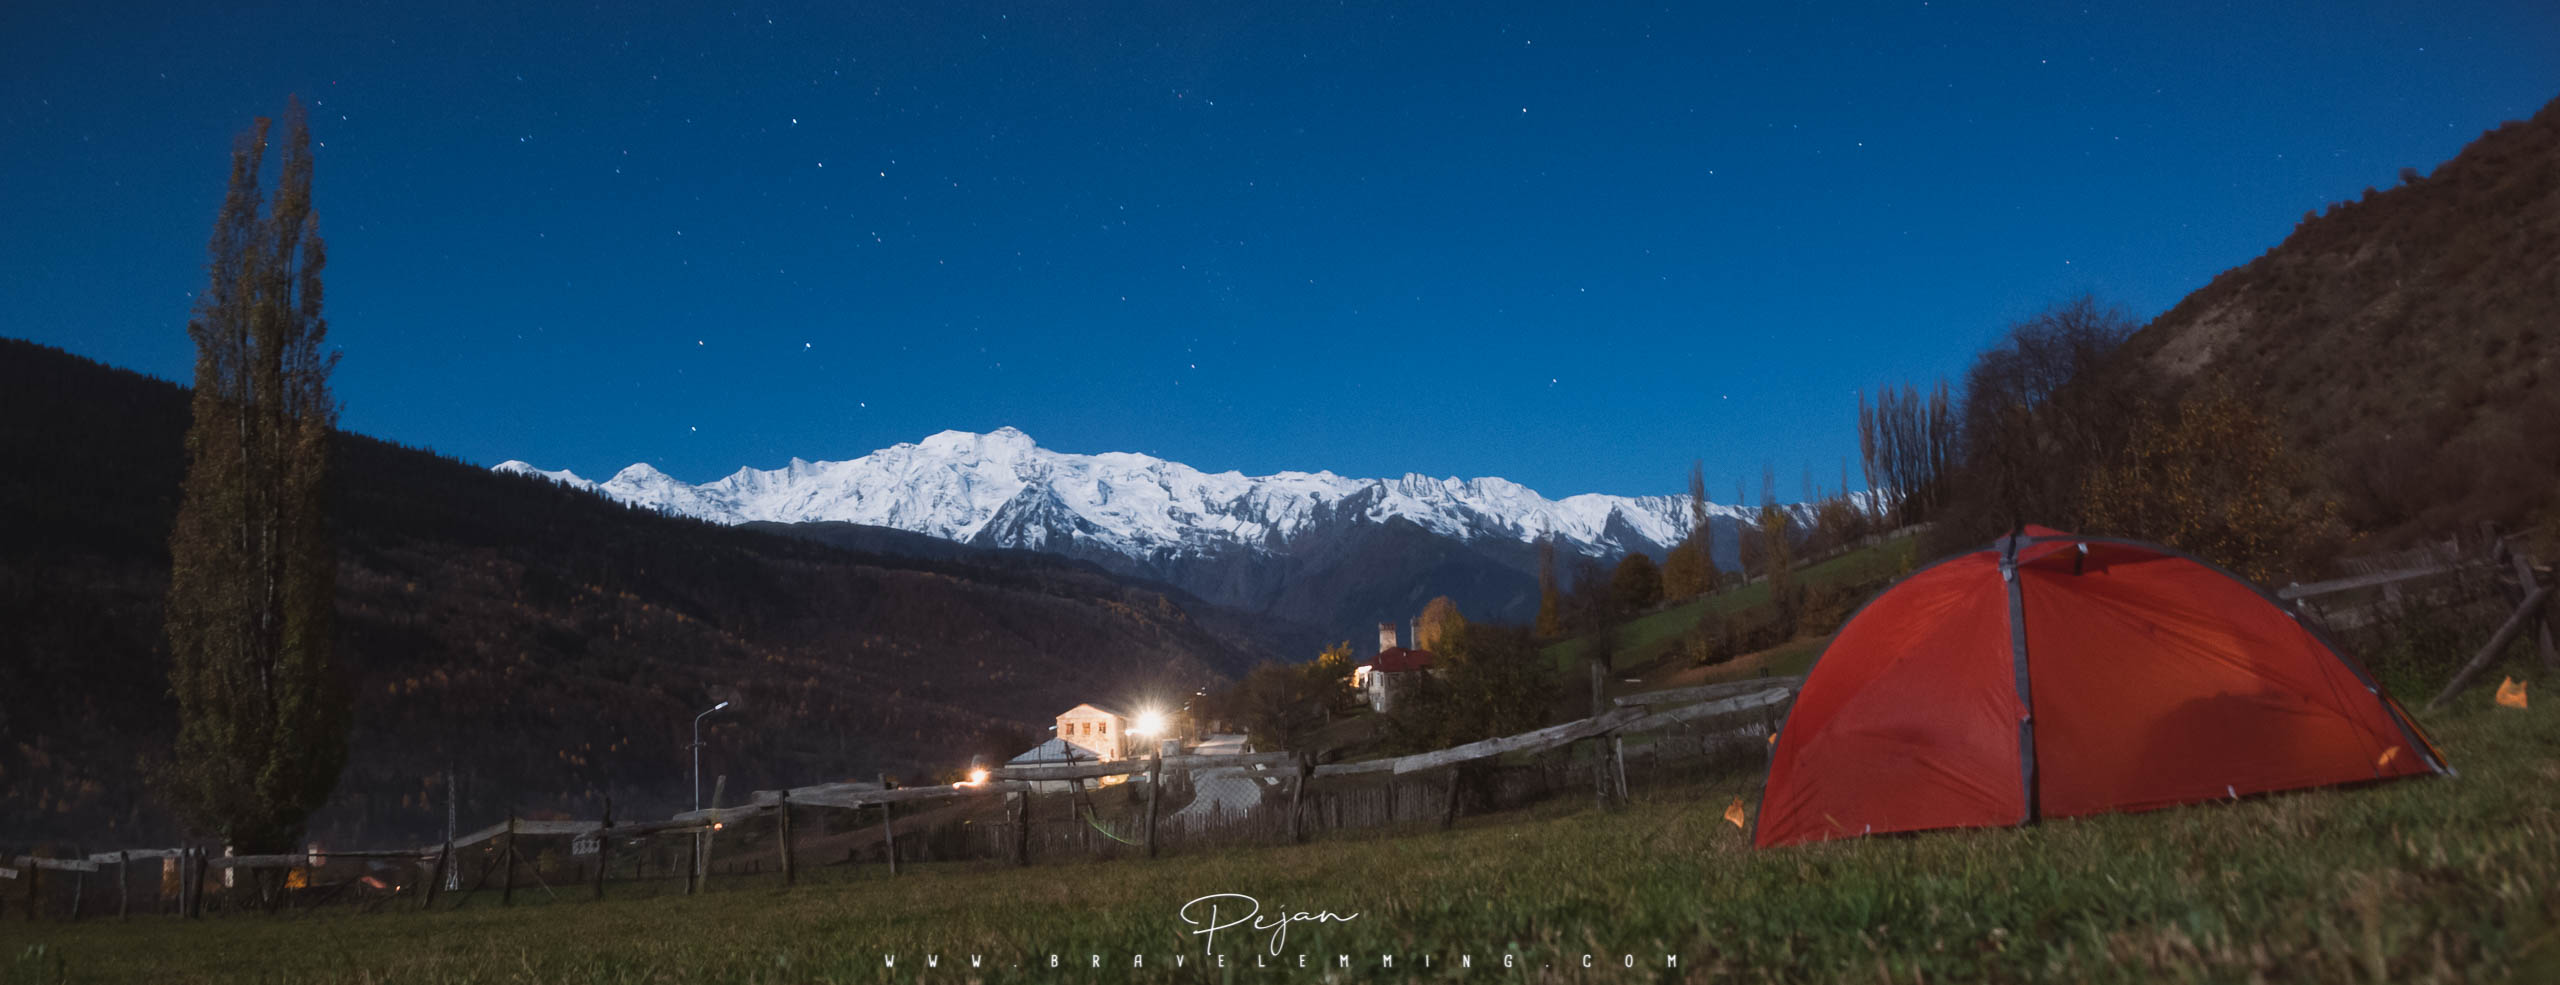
{"x": 2050, "y": 675}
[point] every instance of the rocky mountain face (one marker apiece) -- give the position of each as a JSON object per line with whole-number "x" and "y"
{"x": 2404, "y": 340}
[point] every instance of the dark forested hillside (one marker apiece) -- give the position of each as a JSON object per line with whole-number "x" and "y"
{"x": 2405, "y": 340}
{"x": 547, "y": 646}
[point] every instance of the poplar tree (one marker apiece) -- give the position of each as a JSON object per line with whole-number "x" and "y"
{"x": 1702, "y": 534}
{"x": 262, "y": 703}
{"x": 1550, "y": 595}
{"x": 1747, "y": 540}
{"x": 1778, "y": 559}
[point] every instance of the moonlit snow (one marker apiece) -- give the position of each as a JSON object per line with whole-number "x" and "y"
{"x": 956, "y": 485}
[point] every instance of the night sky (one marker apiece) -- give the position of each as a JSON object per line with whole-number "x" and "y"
{"x": 1572, "y": 245}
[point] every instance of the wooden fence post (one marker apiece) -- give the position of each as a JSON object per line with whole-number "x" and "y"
{"x": 693, "y": 863}
{"x": 124, "y": 885}
{"x": 79, "y": 892}
{"x": 889, "y": 826}
{"x": 782, "y": 820}
{"x": 203, "y": 864}
{"x": 1022, "y": 826}
{"x": 1449, "y": 815}
{"x": 507, "y": 887}
{"x": 1618, "y": 767}
{"x": 2498, "y": 643}
{"x": 35, "y": 873}
{"x": 604, "y": 848}
{"x": 1155, "y": 786}
{"x": 2526, "y": 582}
{"x": 435, "y": 876}
{"x": 1297, "y": 791}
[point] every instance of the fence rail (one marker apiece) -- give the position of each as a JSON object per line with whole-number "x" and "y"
{"x": 1009, "y": 816}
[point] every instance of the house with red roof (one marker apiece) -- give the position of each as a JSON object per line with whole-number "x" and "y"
{"x": 1395, "y": 668}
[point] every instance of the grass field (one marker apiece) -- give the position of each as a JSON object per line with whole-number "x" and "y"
{"x": 2438, "y": 880}
{"x": 1647, "y": 637}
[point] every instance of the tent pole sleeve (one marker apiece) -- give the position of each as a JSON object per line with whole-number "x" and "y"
{"x": 2026, "y": 693}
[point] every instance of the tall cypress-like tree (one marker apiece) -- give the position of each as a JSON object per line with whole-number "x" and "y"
{"x": 1702, "y": 534}
{"x": 1550, "y": 595}
{"x": 263, "y": 706}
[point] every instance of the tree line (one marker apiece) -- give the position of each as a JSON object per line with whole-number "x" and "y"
{"x": 2057, "y": 425}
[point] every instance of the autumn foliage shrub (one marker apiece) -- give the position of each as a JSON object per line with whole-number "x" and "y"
{"x": 2211, "y": 476}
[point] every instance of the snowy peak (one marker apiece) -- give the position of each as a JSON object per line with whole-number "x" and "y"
{"x": 1001, "y": 489}
{"x": 562, "y": 476}
{"x": 1003, "y": 444}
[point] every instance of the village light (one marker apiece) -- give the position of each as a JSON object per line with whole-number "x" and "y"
{"x": 697, "y": 753}
{"x": 1150, "y": 723}
{"x": 977, "y": 776}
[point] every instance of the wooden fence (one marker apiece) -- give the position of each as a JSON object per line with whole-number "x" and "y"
{"x": 771, "y": 839}
{"x": 2437, "y": 575}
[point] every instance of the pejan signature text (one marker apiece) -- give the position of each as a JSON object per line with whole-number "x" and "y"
{"x": 1222, "y": 911}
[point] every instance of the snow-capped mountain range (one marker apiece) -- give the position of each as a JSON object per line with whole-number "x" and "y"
{"x": 1001, "y": 489}
{"x": 1331, "y": 555}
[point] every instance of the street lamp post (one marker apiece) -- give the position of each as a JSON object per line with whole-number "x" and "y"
{"x": 697, "y": 753}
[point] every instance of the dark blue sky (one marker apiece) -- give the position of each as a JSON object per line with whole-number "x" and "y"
{"x": 1576, "y": 245}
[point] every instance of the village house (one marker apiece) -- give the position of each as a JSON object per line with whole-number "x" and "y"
{"x": 1394, "y": 669}
{"x": 1099, "y": 730}
{"x": 1090, "y": 733}
{"x": 1054, "y": 752}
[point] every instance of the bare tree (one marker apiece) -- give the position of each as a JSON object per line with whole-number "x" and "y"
{"x": 2043, "y": 409}
{"x": 1906, "y": 444}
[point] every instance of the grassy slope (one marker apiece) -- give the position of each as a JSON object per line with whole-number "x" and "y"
{"x": 1649, "y": 636}
{"x": 2417, "y": 881}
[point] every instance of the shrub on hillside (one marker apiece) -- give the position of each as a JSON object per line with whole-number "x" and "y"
{"x": 1686, "y": 573}
{"x": 2212, "y": 477}
{"x": 1637, "y": 583}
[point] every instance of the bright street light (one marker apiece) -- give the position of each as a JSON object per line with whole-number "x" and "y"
{"x": 1150, "y": 724}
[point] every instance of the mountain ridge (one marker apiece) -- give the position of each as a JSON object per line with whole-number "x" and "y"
{"x": 1330, "y": 554}
{"x": 1245, "y": 507}
{"x": 1253, "y": 510}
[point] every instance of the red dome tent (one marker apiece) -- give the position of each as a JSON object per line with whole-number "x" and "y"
{"x": 2055, "y": 676}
